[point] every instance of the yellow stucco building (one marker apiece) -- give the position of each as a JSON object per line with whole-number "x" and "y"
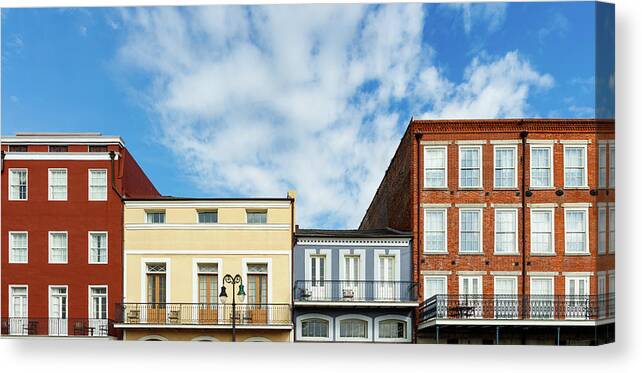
{"x": 177, "y": 252}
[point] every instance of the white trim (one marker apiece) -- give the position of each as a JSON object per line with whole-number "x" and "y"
{"x": 445, "y": 222}
{"x": 201, "y": 326}
{"x": 585, "y": 167}
{"x": 362, "y": 263}
{"x": 327, "y": 270}
{"x": 153, "y": 337}
{"x": 541, "y": 142}
{"x": 89, "y": 310}
{"x": 542, "y": 274}
{"x": 471, "y": 205}
{"x": 58, "y": 156}
{"x": 506, "y": 273}
{"x": 405, "y": 319}
{"x": 352, "y": 304}
{"x": 204, "y": 338}
{"x": 204, "y": 252}
{"x": 257, "y": 339}
{"x": 10, "y": 241}
{"x": 515, "y": 166}
{"x": 299, "y": 327}
{"x": 443, "y": 277}
{"x": 337, "y": 332}
{"x": 530, "y": 244}
{"x": 578, "y": 274}
{"x": 506, "y": 142}
{"x": 219, "y": 278}
{"x": 435, "y": 272}
{"x": 505, "y": 205}
{"x": 445, "y": 185}
{"x": 10, "y": 288}
{"x": 143, "y": 278}
{"x": 61, "y": 139}
{"x": 268, "y": 261}
{"x": 575, "y": 142}
{"x": 471, "y": 142}
{"x": 396, "y": 254}
{"x": 472, "y": 273}
{"x": 481, "y": 167}
{"x": 436, "y": 205}
{"x": 214, "y": 226}
{"x": 9, "y": 182}
{"x": 51, "y": 318}
{"x": 49, "y": 185}
{"x": 504, "y": 322}
{"x": 515, "y": 230}
{"x": 49, "y": 247}
{"x": 436, "y": 142}
{"x": 587, "y": 228}
{"x": 328, "y": 241}
{"x": 542, "y": 205}
{"x": 577, "y": 205}
{"x": 481, "y": 231}
{"x": 89, "y": 184}
{"x": 89, "y": 247}
{"x": 205, "y": 204}
{"x": 551, "y": 163}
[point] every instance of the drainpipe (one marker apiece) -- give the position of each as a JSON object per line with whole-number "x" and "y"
{"x": 2, "y": 154}
{"x": 112, "y": 155}
{"x": 416, "y": 236}
{"x": 523, "y": 135}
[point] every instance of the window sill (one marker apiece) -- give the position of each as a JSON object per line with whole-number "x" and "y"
{"x": 506, "y": 254}
{"x": 577, "y": 254}
{"x": 435, "y": 253}
{"x": 445, "y": 189}
{"x": 542, "y": 188}
{"x": 576, "y": 187}
{"x": 506, "y": 189}
{"x": 481, "y": 253}
{"x": 470, "y": 188}
{"x": 18, "y": 262}
{"x": 543, "y": 254}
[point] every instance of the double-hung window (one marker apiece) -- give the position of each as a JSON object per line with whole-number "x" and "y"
{"x": 612, "y": 166}
{"x": 97, "y": 185}
{"x": 435, "y": 225}
{"x": 542, "y": 231}
{"x": 470, "y": 161}
{"x": 207, "y": 217}
{"x": 57, "y": 184}
{"x": 97, "y": 247}
{"x": 505, "y": 231}
{"x": 256, "y": 217}
{"x": 57, "y": 247}
{"x": 612, "y": 230}
{"x": 602, "y": 166}
{"x": 505, "y": 166}
{"x": 575, "y": 166}
{"x": 435, "y": 167}
{"x": 17, "y": 184}
{"x": 541, "y": 166}
{"x": 155, "y": 217}
{"x": 601, "y": 230}
{"x": 18, "y": 247}
{"x": 576, "y": 230}
{"x": 470, "y": 234}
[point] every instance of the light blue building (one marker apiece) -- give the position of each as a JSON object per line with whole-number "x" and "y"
{"x": 353, "y": 286}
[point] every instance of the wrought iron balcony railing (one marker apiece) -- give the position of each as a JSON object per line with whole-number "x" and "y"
{"x": 355, "y": 291}
{"x": 57, "y": 327}
{"x": 202, "y": 314}
{"x": 518, "y": 307}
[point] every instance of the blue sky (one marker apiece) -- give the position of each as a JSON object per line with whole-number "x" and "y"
{"x": 252, "y": 101}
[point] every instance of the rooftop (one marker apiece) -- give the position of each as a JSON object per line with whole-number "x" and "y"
{"x": 353, "y": 233}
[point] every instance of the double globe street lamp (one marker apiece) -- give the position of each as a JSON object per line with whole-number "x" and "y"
{"x": 228, "y": 279}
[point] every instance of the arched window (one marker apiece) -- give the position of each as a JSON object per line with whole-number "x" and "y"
{"x": 353, "y": 328}
{"x": 314, "y": 327}
{"x": 153, "y": 338}
{"x": 392, "y": 328}
{"x": 205, "y": 338}
{"x": 257, "y": 339}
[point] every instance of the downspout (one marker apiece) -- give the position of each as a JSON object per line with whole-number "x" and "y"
{"x": 523, "y": 135}
{"x": 416, "y": 236}
{"x": 2, "y": 154}
{"x": 112, "y": 156}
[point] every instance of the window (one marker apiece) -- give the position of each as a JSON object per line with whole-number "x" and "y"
{"x": 542, "y": 303}
{"x": 256, "y": 217}
{"x": 257, "y": 284}
{"x": 505, "y": 167}
{"x": 57, "y": 247}
{"x": 97, "y": 303}
{"x": 17, "y": 184}
{"x": 505, "y": 231}
{"x": 575, "y": 224}
{"x": 506, "y": 302}
{"x": 601, "y": 230}
{"x": 435, "y": 166}
{"x": 612, "y": 166}
{"x": 612, "y": 230}
{"x": 392, "y": 329}
{"x": 435, "y": 230}
{"x": 542, "y": 231}
{"x": 602, "y": 166}
{"x": 18, "y": 246}
{"x": 470, "y": 167}
{"x": 435, "y": 285}
{"x": 541, "y": 166}
{"x": 58, "y": 148}
{"x": 18, "y": 148}
{"x": 575, "y": 166}
{"x": 58, "y": 308}
{"x": 97, "y": 247}
{"x": 315, "y": 328}
{"x": 97, "y": 148}
{"x": 97, "y": 185}
{"x": 18, "y": 310}
{"x": 57, "y": 184}
{"x": 155, "y": 217}
{"x": 353, "y": 328}
{"x": 470, "y": 222}
{"x": 207, "y": 217}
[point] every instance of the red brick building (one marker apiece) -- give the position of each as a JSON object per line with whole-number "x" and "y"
{"x": 513, "y": 227}
{"x": 61, "y": 243}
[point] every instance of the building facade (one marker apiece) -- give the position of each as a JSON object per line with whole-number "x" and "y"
{"x": 513, "y": 228}
{"x": 61, "y": 236}
{"x": 353, "y": 286}
{"x": 178, "y": 252}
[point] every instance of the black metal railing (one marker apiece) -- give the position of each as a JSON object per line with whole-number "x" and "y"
{"x": 518, "y": 307}
{"x": 202, "y": 314}
{"x": 355, "y": 291}
{"x": 57, "y": 327}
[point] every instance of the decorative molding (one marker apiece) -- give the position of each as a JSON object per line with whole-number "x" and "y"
{"x": 472, "y": 273}
{"x": 62, "y": 140}
{"x": 55, "y": 156}
{"x": 436, "y": 273}
{"x": 471, "y": 205}
{"x": 575, "y": 142}
{"x": 204, "y": 252}
{"x": 506, "y": 273}
{"x": 471, "y": 142}
{"x": 541, "y": 142}
{"x": 506, "y": 205}
{"x": 216, "y": 226}
{"x": 436, "y": 205}
{"x": 326, "y": 241}
{"x": 577, "y": 205}
{"x": 438, "y": 142}
{"x": 571, "y": 274}
{"x": 539, "y": 273}
{"x": 542, "y": 205}
{"x": 252, "y": 204}
{"x": 506, "y": 142}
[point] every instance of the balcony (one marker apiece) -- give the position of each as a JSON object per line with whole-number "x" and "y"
{"x": 203, "y": 315}
{"x": 517, "y": 309}
{"x": 342, "y": 292}
{"x": 57, "y": 327}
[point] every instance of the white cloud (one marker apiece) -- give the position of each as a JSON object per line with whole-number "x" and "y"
{"x": 254, "y": 101}
{"x": 489, "y": 16}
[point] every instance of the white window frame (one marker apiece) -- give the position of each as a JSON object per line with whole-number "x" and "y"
{"x": 586, "y": 225}
{"x": 11, "y": 171}
{"x": 602, "y": 166}
{"x": 552, "y": 212}
{"x": 611, "y": 179}
{"x": 515, "y": 229}
{"x": 601, "y": 230}
{"x": 219, "y": 279}
{"x": 11, "y": 287}
{"x": 89, "y": 247}
{"x": 443, "y": 278}
{"x": 89, "y": 308}
{"x": 267, "y": 261}
{"x": 148, "y": 212}
{"x": 585, "y": 167}
{"x": 337, "y": 325}
{"x": 515, "y": 166}
{"x": 514, "y": 300}
{"x": 144, "y": 262}
{"x": 445, "y": 218}
{"x": 611, "y": 231}
{"x": 299, "y": 327}
{"x": 67, "y": 308}
{"x": 49, "y": 235}
{"x": 551, "y": 170}
{"x": 481, "y": 230}
{"x": 405, "y": 319}
{"x": 89, "y": 185}
{"x": 11, "y": 256}
{"x": 202, "y": 211}
{"x": 445, "y": 149}
{"x": 261, "y": 211}
{"x": 50, "y": 185}
{"x": 481, "y": 167}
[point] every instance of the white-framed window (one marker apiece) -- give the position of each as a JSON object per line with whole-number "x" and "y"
{"x": 392, "y": 328}
{"x": 315, "y": 327}
{"x": 18, "y": 184}
{"x": 98, "y": 185}
{"x": 611, "y": 283}
{"x": 256, "y": 216}
{"x": 155, "y": 217}
{"x": 506, "y": 302}
{"x": 207, "y": 217}
{"x": 97, "y": 305}
{"x": 18, "y": 247}
{"x": 575, "y": 166}
{"x": 611, "y": 230}
{"x": 98, "y": 247}
{"x": 57, "y": 247}
{"x": 435, "y": 166}
{"x": 18, "y": 309}
{"x": 57, "y": 184}
{"x": 541, "y": 166}
{"x": 601, "y": 230}
{"x": 576, "y": 230}
{"x": 542, "y": 236}
{"x": 505, "y": 166}
{"x": 58, "y": 307}
{"x": 612, "y": 166}
{"x": 602, "y": 166}
{"x": 470, "y": 166}
{"x": 542, "y": 303}
{"x": 470, "y": 233}
{"x": 435, "y": 285}
{"x": 357, "y": 328}
{"x": 435, "y": 230}
{"x": 505, "y": 231}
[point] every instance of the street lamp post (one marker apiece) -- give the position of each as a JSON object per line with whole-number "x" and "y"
{"x": 228, "y": 279}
